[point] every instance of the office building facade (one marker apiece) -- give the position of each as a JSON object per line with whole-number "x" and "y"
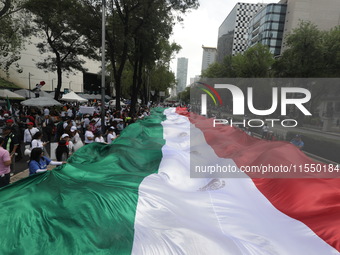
{"x": 181, "y": 74}
{"x": 209, "y": 57}
{"x": 233, "y": 32}
{"x": 324, "y": 14}
{"x": 266, "y": 27}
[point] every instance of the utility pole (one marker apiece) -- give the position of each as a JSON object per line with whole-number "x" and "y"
{"x": 52, "y": 84}
{"x": 103, "y": 68}
{"x": 29, "y": 84}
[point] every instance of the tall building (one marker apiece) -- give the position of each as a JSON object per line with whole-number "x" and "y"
{"x": 181, "y": 74}
{"x": 195, "y": 79}
{"x": 209, "y": 56}
{"x": 266, "y": 27}
{"x": 325, "y": 14}
{"x": 232, "y": 34}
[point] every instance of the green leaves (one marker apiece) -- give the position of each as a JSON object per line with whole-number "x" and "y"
{"x": 254, "y": 62}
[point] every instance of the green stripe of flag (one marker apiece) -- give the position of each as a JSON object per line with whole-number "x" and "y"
{"x": 88, "y": 205}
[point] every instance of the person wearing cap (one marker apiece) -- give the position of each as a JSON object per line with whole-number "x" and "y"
{"x": 14, "y": 127}
{"x": 38, "y": 162}
{"x": 11, "y": 142}
{"x": 111, "y": 135}
{"x": 64, "y": 148}
{"x": 75, "y": 138}
{"x": 29, "y": 132}
{"x": 89, "y": 136}
{"x": 297, "y": 141}
{"x": 5, "y": 162}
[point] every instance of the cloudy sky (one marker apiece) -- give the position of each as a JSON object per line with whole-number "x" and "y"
{"x": 200, "y": 27}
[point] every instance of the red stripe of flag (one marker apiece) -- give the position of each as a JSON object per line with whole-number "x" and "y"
{"x": 313, "y": 201}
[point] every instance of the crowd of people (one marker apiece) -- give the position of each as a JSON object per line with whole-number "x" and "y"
{"x": 27, "y": 131}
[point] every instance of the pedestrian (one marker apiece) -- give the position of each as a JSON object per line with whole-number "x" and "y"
{"x": 37, "y": 142}
{"x": 38, "y": 162}
{"x": 47, "y": 128}
{"x": 75, "y": 138}
{"x": 111, "y": 135}
{"x": 297, "y": 141}
{"x": 11, "y": 143}
{"x": 265, "y": 130}
{"x": 5, "y": 162}
{"x": 65, "y": 148}
{"x": 89, "y": 136}
{"x": 29, "y": 132}
{"x": 99, "y": 137}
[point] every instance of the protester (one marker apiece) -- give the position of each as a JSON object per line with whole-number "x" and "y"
{"x": 47, "y": 128}
{"x": 38, "y": 162}
{"x": 111, "y": 135}
{"x": 11, "y": 143}
{"x": 65, "y": 148}
{"x": 89, "y": 136}
{"x": 75, "y": 138}
{"x": 265, "y": 130}
{"x": 297, "y": 141}
{"x": 37, "y": 142}
{"x": 29, "y": 132}
{"x": 5, "y": 162}
{"x": 99, "y": 137}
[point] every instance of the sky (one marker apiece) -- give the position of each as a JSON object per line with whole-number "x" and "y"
{"x": 200, "y": 27}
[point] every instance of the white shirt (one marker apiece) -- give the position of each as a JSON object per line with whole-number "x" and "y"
{"x": 99, "y": 139}
{"x": 70, "y": 146}
{"x": 69, "y": 112}
{"x": 111, "y": 137}
{"x": 76, "y": 138}
{"x": 86, "y": 122}
{"x": 28, "y": 136}
{"x": 88, "y": 133}
{"x": 37, "y": 143}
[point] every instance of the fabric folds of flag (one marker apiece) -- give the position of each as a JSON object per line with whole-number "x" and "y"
{"x": 136, "y": 197}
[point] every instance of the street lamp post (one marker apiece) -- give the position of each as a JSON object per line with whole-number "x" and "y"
{"x": 69, "y": 85}
{"x": 52, "y": 84}
{"x": 103, "y": 68}
{"x": 29, "y": 84}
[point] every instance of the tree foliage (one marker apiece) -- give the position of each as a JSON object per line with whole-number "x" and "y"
{"x": 304, "y": 56}
{"x": 13, "y": 30}
{"x": 136, "y": 32}
{"x": 254, "y": 62}
{"x": 65, "y": 29}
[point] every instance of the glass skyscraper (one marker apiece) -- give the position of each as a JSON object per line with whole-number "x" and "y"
{"x": 266, "y": 27}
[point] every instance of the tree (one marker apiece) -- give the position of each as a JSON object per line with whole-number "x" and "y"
{"x": 332, "y": 53}
{"x": 12, "y": 32}
{"x": 254, "y": 62}
{"x": 304, "y": 56}
{"x": 131, "y": 35}
{"x": 65, "y": 29}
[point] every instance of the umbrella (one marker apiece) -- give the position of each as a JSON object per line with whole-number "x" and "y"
{"x": 29, "y": 94}
{"x": 5, "y": 93}
{"x": 40, "y": 102}
{"x": 73, "y": 97}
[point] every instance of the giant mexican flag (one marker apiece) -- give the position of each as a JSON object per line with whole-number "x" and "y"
{"x": 136, "y": 197}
